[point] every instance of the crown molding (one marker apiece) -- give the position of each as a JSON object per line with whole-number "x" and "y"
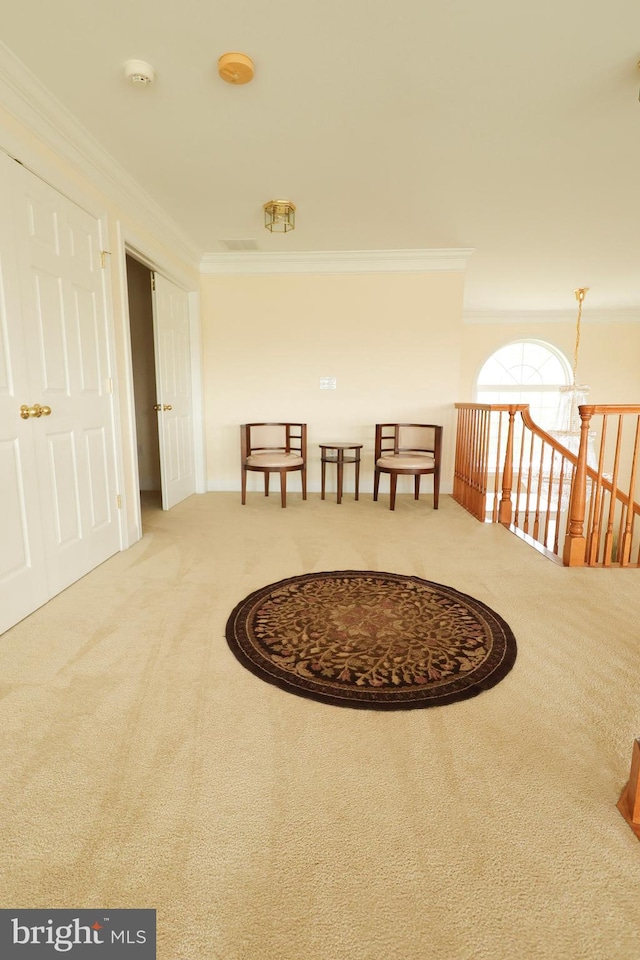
{"x": 592, "y": 315}
{"x": 26, "y": 99}
{"x": 335, "y": 262}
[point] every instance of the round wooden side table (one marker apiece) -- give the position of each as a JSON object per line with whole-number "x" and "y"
{"x": 335, "y": 453}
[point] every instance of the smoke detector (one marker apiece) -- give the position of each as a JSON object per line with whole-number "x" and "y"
{"x": 236, "y": 68}
{"x": 139, "y": 72}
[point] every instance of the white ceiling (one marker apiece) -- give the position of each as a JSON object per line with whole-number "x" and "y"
{"x": 509, "y": 128}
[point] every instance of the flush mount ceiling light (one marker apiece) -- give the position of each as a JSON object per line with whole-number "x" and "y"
{"x": 139, "y": 72}
{"x": 279, "y": 216}
{"x": 236, "y": 68}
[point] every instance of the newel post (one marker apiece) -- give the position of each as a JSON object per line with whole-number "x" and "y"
{"x": 629, "y": 802}
{"x": 575, "y": 544}
{"x": 506, "y": 507}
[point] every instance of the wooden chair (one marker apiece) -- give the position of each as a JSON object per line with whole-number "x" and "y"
{"x": 274, "y": 448}
{"x": 407, "y": 449}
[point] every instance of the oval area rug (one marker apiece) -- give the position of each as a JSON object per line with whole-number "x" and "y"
{"x": 372, "y": 640}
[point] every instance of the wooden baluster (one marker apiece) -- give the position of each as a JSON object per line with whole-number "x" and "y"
{"x": 456, "y": 462}
{"x": 482, "y": 467}
{"x": 598, "y": 501}
{"x": 608, "y": 538}
{"x": 527, "y": 490}
{"x": 467, "y": 457}
{"x": 536, "y": 515}
{"x": 506, "y": 508}
{"x": 470, "y": 460}
{"x": 519, "y": 484}
{"x": 561, "y": 482}
{"x": 496, "y": 474}
{"x": 486, "y": 420}
{"x": 575, "y": 543}
{"x": 477, "y": 473}
{"x": 547, "y": 518}
{"x": 625, "y": 547}
{"x": 461, "y": 458}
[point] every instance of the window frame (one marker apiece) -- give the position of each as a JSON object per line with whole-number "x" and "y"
{"x": 515, "y": 390}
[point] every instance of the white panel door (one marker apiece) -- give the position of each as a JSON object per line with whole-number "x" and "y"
{"x": 174, "y": 400}
{"x": 66, "y": 329}
{"x": 60, "y": 343}
{"x": 23, "y": 573}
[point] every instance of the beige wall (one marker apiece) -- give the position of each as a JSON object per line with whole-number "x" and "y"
{"x": 609, "y": 354}
{"x": 396, "y": 344}
{"x": 392, "y": 341}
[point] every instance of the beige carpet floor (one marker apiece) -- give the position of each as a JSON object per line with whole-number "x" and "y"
{"x": 142, "y": 766}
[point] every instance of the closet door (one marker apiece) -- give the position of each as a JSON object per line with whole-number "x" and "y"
{"x": 23, "y": 573}
{"x": 60, "y": 331}
{"x": 66, "y": 331}
{"x": 173, "y": 383}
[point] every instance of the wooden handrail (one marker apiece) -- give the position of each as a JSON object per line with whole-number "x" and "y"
{"x": 572, "y": 504}
{"x": 573, "y": 458}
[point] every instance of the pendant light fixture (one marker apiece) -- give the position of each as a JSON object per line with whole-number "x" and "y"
{"x": 572, "y": 396}
{"x": 568, "y": 419}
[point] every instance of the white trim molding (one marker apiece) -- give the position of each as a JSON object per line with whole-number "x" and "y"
{"x": 335, "y": 261}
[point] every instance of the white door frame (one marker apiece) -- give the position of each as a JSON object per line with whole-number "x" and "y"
{"x": 131, "y": 243}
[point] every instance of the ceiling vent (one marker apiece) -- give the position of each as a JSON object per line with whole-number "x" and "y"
{"x": 240, "y": 244}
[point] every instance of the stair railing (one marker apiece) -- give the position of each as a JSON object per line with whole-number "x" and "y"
{"x": 573, "y": 505}
{"x": 604, "y": 514}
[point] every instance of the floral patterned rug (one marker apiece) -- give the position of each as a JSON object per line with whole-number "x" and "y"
{"x": 372, "y": 640}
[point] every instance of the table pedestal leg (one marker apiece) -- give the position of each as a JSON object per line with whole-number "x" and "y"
{"x": 340, "y": 473}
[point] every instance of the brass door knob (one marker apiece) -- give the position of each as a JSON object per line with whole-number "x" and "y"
{"x": 35, "y": 411}
{"x": 157, "y": 406}
{"x": 167, "y": 406}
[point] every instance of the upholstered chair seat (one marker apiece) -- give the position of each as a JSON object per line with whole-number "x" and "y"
{"x": 274, "y": 460}
{"x": 406, "y": 461}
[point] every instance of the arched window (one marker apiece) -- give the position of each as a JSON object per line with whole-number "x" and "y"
{"x": 526, "y": 371}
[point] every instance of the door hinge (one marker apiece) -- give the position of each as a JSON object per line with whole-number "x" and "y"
{"x": 119, "y": 501}
{"x": 103, "y": 257}
{"x": 153, "y": 281}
